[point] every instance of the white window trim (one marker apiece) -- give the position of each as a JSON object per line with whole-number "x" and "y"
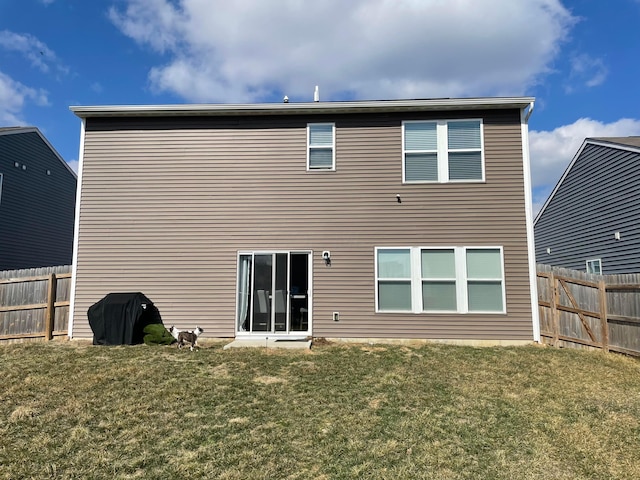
{"x": 323, "y": 147}
{"x": 460, "y": 295}
{"x": 1, "y": 178}
{"x": 460, "y": 253}
{"x": 593, "y": 260}
{"x": 442, "y": 151}
{"x": 411, "y": 279}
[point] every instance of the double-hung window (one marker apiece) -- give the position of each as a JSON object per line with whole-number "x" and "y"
{"x": 440, "y": 280}
{"x": 484, "y": 280}
{"x": 394, "y": 278}
{"x": 443, "y": 151}
{"x": 594, "y": 266}
{"x": 321, "y": 146}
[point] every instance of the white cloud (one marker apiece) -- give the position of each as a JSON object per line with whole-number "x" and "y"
{"x": 586, "y": 71}
{"x": 96, "y": 87}
{"x": 73, "y": 164}
{"x": 40, "y": 56}
{"x": 13, "y": 96}
{"x": 244, "y": 51}
{"x": 551, "y": 151}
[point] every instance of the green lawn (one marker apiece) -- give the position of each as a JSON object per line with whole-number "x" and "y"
{"x": 440, "y": 412}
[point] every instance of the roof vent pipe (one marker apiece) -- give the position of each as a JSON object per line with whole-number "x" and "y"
{"x": 316, "y": 94}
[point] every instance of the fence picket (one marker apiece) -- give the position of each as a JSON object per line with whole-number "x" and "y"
{"x": 554, "y": 310}
{"x": 34, "y": 303}
{"x": 586, "y": 304}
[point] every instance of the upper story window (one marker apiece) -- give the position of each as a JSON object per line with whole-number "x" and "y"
{"x": 442, "y": 151}
{"x": 321, "y": 146}
{"x": 594, "y": 266}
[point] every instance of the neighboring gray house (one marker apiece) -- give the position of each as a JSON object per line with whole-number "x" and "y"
{"x": 591, "y": 220}
{"x": 37, "y": 201}
{"x": 352, "y": 220}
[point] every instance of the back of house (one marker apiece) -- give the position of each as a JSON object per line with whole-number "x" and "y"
{"x": 403, "y": 219}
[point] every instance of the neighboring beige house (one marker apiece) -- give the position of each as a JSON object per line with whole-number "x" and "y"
{"x": 404, "y": 219}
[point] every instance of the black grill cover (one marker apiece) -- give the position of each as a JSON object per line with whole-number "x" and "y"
{"x": 119, "y": 318}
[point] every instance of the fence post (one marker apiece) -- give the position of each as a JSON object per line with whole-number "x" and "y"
{"x": 603, "y": 315}
{"x": 50, "y": 314}
{"x": 554, "y": 311}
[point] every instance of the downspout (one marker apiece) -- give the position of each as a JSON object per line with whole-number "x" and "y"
{"x": 76, "y": 230}
{"x": 528, "y": 200}
{"x": 526, "y": 119}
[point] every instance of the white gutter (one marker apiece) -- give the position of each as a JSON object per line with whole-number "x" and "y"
{"x": 533, "y": 278}
{"x": 526, "y": 119}
{"x": 76, "y": 232}
{"x": 301, "y": 108}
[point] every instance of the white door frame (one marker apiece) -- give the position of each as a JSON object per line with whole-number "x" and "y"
{"x": 288, "y": 335}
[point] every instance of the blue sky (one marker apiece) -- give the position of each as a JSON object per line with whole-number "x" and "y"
{"x": 579, "y": 58}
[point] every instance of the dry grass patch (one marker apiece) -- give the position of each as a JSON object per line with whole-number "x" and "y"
{"x": 342, "y": 411}
{"x": 22, "y": 413}
{"x": 268, "y": 380}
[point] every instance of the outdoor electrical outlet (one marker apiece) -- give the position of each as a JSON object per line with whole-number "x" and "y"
{"x": 336, "y": 316}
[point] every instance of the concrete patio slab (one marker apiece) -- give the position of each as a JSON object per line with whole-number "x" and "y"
{"x": 269, "y": 343}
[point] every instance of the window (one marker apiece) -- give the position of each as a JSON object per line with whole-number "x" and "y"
{"x": 442, "y": 151}
{"x": 484, "y": 280}
{"x": 594, "y": 266}
{"x": 321, "y": 146}
{"x": 394, "y": 279}
{"x": 440, "y": 279}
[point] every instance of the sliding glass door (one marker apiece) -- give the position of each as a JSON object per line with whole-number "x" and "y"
{"x": 273, "y": 292}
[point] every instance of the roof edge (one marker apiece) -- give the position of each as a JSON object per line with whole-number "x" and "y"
{"x": 23, "y": 130}
{"x": 600, "y": 141}
{"x": 301, "y": 108}
{"x": 615, "y": 142}
{"x": 17, "y": 130}
{"x": 559, "y": 182}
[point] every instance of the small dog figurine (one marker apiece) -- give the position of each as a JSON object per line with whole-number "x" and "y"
{"x": 189, "y": 337}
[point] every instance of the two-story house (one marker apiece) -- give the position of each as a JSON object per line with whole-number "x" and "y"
{"x": 590, "y": 220}
{"x": 405, "y": 219}
{"x": 37, "y": 201}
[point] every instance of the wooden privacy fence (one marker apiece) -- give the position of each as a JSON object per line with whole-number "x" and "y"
{"x": 34, "y": 303}
{"x": 582, "y": 310}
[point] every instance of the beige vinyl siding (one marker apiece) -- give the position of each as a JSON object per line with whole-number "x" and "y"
{"x": 167, "y": 203}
